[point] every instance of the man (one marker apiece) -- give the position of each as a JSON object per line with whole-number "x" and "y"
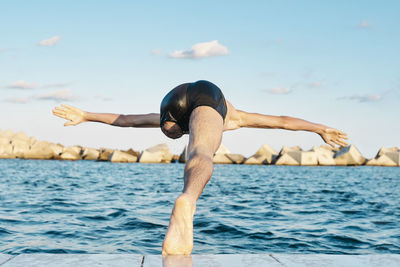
{"x": 200, "y": 110}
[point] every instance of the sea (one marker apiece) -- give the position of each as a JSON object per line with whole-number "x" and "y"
{"x": 102, "y": 207}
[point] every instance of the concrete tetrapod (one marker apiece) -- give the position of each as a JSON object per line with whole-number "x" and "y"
{"x": 43, "y": 150}
{"x": 324, "y": 155}
{"x": 120, "y": 156}
{"x": 90, "y": 153}
{"x": 6, "y": 148}
{"x": 71, "y": 153}
{"x": 264, "y": 155}
{"x": 349, "y": 156}
{"x": 220, "y": 156}
{"x": 156, "y": 154}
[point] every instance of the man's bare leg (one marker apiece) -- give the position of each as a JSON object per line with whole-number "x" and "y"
{"x": 206, "y": 127}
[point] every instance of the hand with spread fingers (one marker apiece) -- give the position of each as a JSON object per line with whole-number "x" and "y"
{"x": 332, "y": 136}
{"x": 72, "y": 114}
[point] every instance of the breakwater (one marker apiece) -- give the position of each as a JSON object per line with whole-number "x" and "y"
{"x": 20, "y": 145}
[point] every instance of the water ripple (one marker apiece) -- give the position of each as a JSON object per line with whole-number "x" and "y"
{"x": 100, "y": 207}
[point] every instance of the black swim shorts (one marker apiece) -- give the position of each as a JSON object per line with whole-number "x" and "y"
{"x": 179, "y": 103}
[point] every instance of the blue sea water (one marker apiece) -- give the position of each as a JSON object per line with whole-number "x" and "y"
{"x": 102, "y": 207}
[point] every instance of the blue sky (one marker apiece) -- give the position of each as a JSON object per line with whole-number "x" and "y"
{"x": 332, "y": 62}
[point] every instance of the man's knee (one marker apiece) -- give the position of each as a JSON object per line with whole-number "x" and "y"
{"x": 199, "y": 157}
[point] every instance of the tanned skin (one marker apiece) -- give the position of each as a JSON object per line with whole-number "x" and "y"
{"x": 206, "y": 127}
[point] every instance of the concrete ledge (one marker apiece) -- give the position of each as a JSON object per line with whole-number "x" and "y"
{"x": 223, "y": 260}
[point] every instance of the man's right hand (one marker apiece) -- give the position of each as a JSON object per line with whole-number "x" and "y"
{"x": 72, "y": 114}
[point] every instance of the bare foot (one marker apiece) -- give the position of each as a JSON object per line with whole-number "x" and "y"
{"x": 179, "y": 237}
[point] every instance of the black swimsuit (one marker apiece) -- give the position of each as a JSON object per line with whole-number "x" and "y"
{"x": 179, "y": 103}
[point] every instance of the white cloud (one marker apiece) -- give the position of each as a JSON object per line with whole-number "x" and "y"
{"x": 3, "y": 50}
{"x": 202, "y": 50}
{"x": 58, "y": 96}
{"x": 50, "y": 42}
{"x": 362, "y": 98}
{"x": 279, "y": 91}
{"x": 364, "y": 24}
{"x": 21, "y": 84}
{"x": 17, "y": 100}
{"x": 55, "y": 85}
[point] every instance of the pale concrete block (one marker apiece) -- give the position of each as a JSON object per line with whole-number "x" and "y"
{"x": 286, "y": 149}
{"x": 220, "y": 156}
{"x": 105, "y": 154}
{"x": 42, "y": 150}
{"x": 76, "y": 260}
{"x": 236, "y": 158}
{"x": 6, "y": 151}
{"x": 132, "y": 152}
{"x": 156, "y": 154}
{"x": 20, "y": 147}
{"x": 349, "y": 156}
{"x": 8, "y": 133}
{"x": 383, "y": 160}
{"x": 21, "y": 136}
{"x": 324, "y": 155}
{"x": 394, "y": 156}
{"x": 384, "y": 150}
{"x": 90, "y": 153}
{"x": 264, "y": 155}
{"x": 305, "y": 158}
{"x": 220, "y": 260}
{"x": 71, "y": 153}
{"x": 4, "y": 141}
{"x": 120, "y": 156}
{"x": 222, "y": 150}
{"x": 221, "y": 159}
{"x": 287, "y": 159}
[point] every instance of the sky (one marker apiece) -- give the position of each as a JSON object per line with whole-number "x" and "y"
{"x": 330, "y": 62}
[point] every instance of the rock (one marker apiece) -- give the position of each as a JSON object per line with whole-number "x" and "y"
{"x": 20, "y": 147}
{"x": 90, "y": 153}
{"x": 71, "y": 153}
{"x": 120, "y": 156}
{"x": 287, "y": 159}
{"x": 385, "y": 150}
{"x": 43, "y": 150}
{"x": 156, "y": 154}
{"x": 382, "y": 160}
{"x": 394, "y": 156}
{"x": 221, "y": 159}
{"x": 265, "y": 155}
{"x": 222, "y": 150}
{"x": 9, "y": 134}
{"x": 21, "y": 136}
{"x": 220, "y": 155}
{"x": 349, "y": 156}
{"x": 286, "y": 149}
{"x": 183, "y": 157}
{"x": 4, "y": 141}
{"x": 6, "y": 150}
{"x": 105, "y": 154}
{"x": 132, "y": 152}
{"x": 324, "y": 155}
{"x": 236, "y": 158}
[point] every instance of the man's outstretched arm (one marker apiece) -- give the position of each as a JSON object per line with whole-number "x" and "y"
{"x": 238, "y": 119}
{"x": 76, "y": 116}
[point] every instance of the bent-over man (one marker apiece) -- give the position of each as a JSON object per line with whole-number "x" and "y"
{"x": 200, "y": 110}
